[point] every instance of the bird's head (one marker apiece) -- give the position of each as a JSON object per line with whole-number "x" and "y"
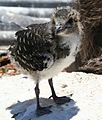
{"x": 68, "y": 30}
{"x": 65, "y": 20}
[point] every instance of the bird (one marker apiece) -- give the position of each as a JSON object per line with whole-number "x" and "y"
{"x": 42, "y": 50}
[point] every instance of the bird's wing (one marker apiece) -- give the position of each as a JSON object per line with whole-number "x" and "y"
{"x": 29, "y": 50}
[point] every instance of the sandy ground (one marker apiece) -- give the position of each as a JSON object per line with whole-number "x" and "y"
{"x": 17, "y": 97}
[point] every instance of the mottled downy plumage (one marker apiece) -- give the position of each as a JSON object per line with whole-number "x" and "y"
{"x": 35, "y": 47}
{"x": 44, "y": 50}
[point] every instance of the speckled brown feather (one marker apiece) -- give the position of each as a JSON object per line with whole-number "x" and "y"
{"x": 33, "y": 46}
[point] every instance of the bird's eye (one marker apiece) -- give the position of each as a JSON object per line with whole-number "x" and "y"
{"x": 75, "y": 20}
{"x": 70, "y": 21}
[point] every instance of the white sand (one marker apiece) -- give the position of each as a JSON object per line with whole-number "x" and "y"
{"x": 86, "y": 103}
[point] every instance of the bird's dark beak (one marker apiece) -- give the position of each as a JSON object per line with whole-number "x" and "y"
{"x": 59, "y": 29}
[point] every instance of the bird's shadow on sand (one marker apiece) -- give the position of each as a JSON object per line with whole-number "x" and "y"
{"x": 26, "y": 110}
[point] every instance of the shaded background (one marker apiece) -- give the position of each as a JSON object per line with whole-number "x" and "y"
{"x": 15, "y": 14}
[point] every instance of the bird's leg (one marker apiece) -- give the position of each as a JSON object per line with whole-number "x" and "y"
{"x": 37, "y": 92}
{"x": 40, "y": 110}
{"x": 58, "y": 100}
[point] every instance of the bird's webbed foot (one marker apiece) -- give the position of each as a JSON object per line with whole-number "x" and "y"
{"x": 57, "y": 100}
{"x": 61, "y": 100}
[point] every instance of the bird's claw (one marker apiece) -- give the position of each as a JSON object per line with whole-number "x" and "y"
{"x": 50, "y": 97}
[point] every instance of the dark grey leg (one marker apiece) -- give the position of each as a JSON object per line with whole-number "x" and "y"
{"x": 58, "y": 100}
{"x": 37, "y": 92}
{"x": 40, "y": 110}
{"x": 52, "y": 89}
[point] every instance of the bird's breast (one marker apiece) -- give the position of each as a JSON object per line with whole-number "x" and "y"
{"x": 57, "y": 67}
